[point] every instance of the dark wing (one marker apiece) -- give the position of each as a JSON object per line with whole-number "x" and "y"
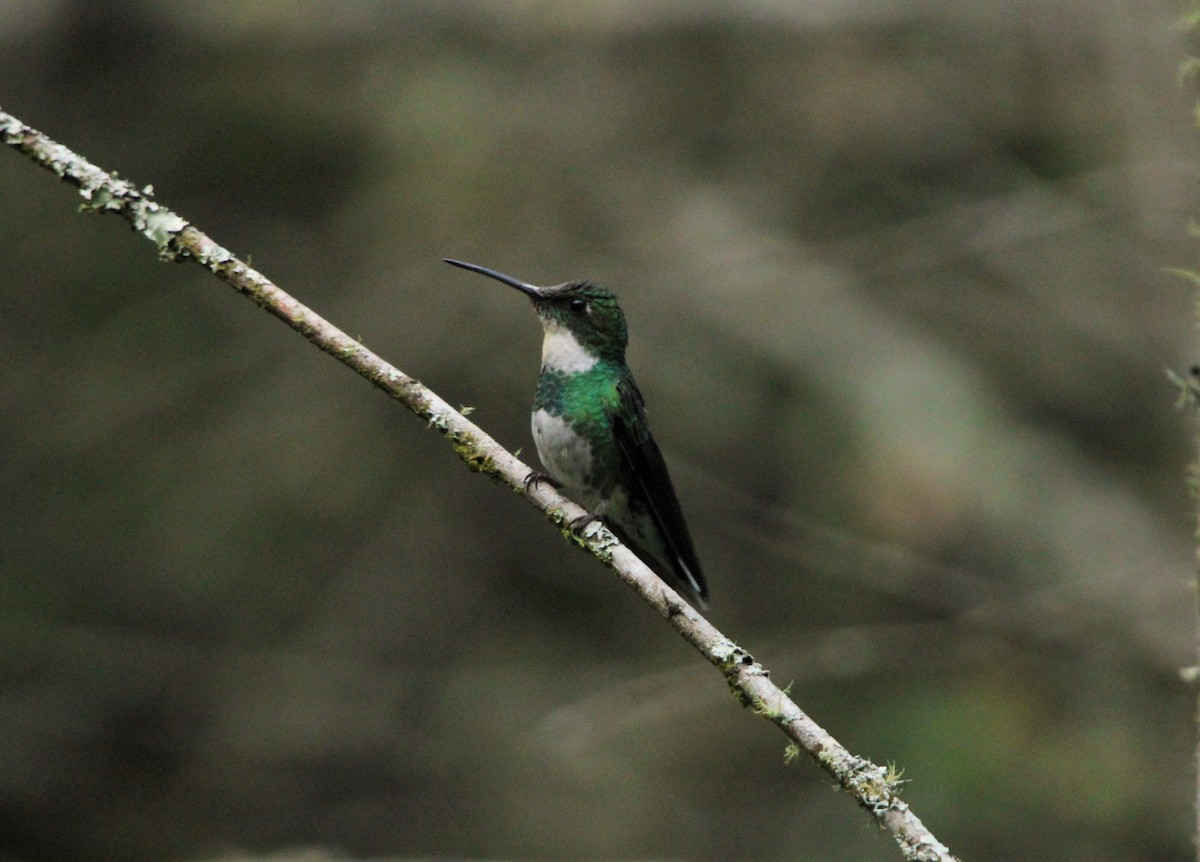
{"x": 648, "y": 472}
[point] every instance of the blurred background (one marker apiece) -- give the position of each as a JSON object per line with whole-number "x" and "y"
{"x": 895, "y": 278}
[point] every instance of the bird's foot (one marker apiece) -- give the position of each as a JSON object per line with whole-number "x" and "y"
{"x": 578, "y": 524}
{"x": 536, "y": 478}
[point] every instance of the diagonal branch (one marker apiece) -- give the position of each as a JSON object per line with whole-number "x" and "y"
{"x": 874, "y": 787}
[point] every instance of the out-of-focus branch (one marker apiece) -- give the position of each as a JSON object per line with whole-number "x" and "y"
{"x": 1189, "y": 398}
{"x": 874, "y": 787}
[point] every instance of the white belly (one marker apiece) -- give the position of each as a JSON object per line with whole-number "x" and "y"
{"x": 567, "y": 456}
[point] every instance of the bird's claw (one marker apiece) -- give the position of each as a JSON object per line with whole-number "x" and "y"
{"x": 536, "y": 478}
{"x": 578, "y": 524}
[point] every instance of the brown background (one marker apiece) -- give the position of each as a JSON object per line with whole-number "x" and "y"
{"x": 895, "y": 279}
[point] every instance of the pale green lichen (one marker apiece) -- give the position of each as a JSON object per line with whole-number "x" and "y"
{"x": 875, "y": 787}
{"x": 726, "y": 650}
{"x": 215, "y": 256}
{"x": 160, "y": 226}
{"x": 767, "y": 711}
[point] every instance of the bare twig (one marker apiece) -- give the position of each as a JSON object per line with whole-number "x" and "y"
{"x": 872, "y": 786}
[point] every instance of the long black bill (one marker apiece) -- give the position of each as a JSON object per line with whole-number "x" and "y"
{"x": 527, "y": 289}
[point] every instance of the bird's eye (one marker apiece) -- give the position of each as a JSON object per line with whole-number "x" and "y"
{"x": 579, "y": 305}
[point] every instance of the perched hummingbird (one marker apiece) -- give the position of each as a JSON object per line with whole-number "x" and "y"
{"x": 590, "y": 427}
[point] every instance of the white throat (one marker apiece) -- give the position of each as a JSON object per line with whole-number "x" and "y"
{"x": 561, "y": 351}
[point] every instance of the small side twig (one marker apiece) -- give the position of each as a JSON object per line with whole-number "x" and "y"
{"x": 874, "y": 787}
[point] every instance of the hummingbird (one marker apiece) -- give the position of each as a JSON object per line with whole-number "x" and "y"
{"x": 589, "y": 424}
